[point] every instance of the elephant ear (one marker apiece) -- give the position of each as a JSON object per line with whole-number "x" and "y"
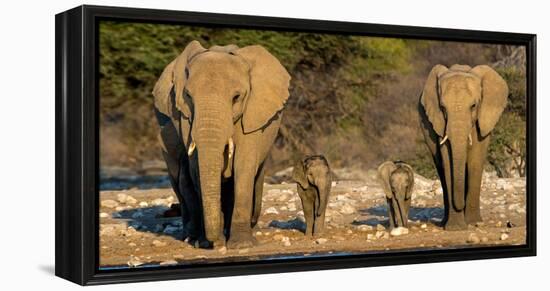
{"x": 171, "y": 84}
{"x": 163, "y": 91}
{"x": 299, "y": 175}
{"x": 384, "y": 174}
{"x": 494, "y": 97}
{"x": 410, "y": 174}
{"x": 430, "y": 100}
{"x": 269, "y": 83}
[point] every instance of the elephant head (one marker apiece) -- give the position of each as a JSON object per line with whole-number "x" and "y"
{"x": 459, "y": 101}
{"x": 217, "y": 91}
{"x": 314, "y": 171}
{"x": 397, "y": 179}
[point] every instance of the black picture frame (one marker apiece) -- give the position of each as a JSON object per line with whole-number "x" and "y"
{"x": 77, "y": 147}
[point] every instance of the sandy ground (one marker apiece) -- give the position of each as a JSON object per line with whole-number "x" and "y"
{"x": 133, "y": 231}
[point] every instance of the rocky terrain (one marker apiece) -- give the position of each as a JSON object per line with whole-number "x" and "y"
{"x": 134, "y": 231}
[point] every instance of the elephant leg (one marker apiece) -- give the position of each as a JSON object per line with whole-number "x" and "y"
{"x": 309, "y": 216}
{"x": 319, "y": 224}
{"x": 245, "y": 173}
{"x": 391, "y": 213}
{"x": 407, "y": 208}
{"x": 172, "y": 150}
{"x": 258, "y": 192}
{"x": 455, "y": 217}
{"x": 228, "y": 201}
{"x": 319, "y": 221}
{"x": 191, "y": 202}
{"x": 476, "y": 161}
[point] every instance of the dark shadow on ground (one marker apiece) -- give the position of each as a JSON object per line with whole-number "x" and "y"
{"x": 423, "y": 214}
{"x": 295, "y": 223}
{"x": 151, "y": 219}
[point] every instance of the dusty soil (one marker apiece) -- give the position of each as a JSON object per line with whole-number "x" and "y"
{"x": 133, "y": 231}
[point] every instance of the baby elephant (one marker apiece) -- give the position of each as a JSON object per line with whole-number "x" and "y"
{"x": 314, "y": 182}
{"x": 397, "y": 180}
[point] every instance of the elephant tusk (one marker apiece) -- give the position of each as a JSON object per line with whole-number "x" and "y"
{"x": 191, "y": 148}
{"x": 443, "y": 140}
{"x": 470, "y": 139}
{"x": 231, "y": 147}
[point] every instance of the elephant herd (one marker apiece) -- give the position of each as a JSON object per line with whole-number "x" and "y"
{"x": 219, "y": 112}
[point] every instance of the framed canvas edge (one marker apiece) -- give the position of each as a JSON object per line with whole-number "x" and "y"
{"x": 77, "y": 147}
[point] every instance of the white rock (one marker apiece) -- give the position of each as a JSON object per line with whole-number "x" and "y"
{"x": 143, "y": 204}
{"x": 134, "y": 262}
{"x": 502, "y": 184}
{"x": 158, "y": 243}
{"x": 473, "y": 238}
{"x": 271, "y": 210}
{"x": 380, "y": 234}
{"x": 321, "y": 241}
{"x": 291, "y": 206}
{"x": 159, "y": 202}
{"x": 283, "y": 208}
{"x": 273, "y": 192}
{"x": 370, "y": 236}
{"x": 504, "y": 236}
{"x": 424, "y": 226}
{"x": 103, "y": 215}
{"x": 347, "y": 209}
{"x": 109, "y": 203}
{"x": 131, "y": 200}
{"x": 364, "y": 227}
{"x": 380, "y": 227}
{"x": 168, "y": 263}
{"x": 121, "y": 197}
{"x": 399, "y": 231}
{"x": 333, "y": 183}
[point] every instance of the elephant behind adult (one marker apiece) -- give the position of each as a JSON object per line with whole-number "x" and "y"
{"x": 459, "y": 108}
{"x": 219, "y": 110}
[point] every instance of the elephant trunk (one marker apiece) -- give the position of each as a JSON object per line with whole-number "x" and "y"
{"x": 212, "y": 129}
{"x": 459, "y": 143}
{"x": 210, "y": 167}
{"x": 400, "y": 212}
{"x": 323, "y": 192}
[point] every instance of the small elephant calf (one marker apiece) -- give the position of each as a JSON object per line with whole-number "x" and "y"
{"x": 314, "y": 182}
{"x": 397, "y": 180}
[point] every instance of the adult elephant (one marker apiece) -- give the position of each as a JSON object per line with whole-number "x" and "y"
{"x": 459, "y": 108}
{"x": 219, "y": 110}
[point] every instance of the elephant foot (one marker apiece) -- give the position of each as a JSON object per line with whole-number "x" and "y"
{"x": 199, "y": 243}
{"x": 455, "y": 225}
{"x": 241, "y": 240}
{"x": 472, "y": 218}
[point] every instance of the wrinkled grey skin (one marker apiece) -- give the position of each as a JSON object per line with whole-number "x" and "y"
{"x": 314, "y": 182}
{"x": 459, "y": 108}
{"x": 219, "y": 111}
{"x": 397, "y": 179}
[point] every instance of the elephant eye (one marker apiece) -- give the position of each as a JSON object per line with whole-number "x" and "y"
{"x": 236, "y": 98}
{"x": 473, "y": 106}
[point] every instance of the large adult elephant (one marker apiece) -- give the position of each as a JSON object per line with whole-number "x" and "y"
{"x": 219, "y": 110}
{"x": 459, "y": 108}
